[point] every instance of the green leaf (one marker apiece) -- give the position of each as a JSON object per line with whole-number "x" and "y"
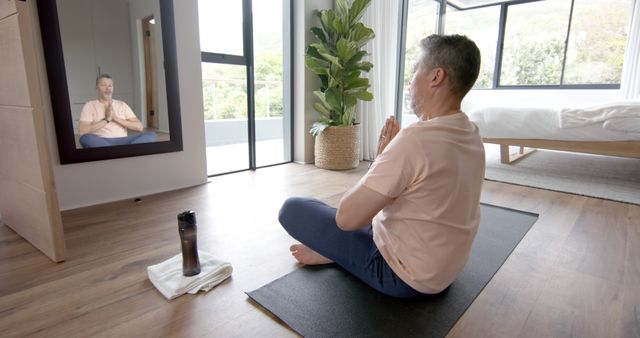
{"x": 326, "y": 54}
{"x": 352, "y": 75}
{"x": 357, "y": 10}
{"x": 342, "y": 10}
{"x": 313, "y": 51}
{"x": 326, "y": 20}
{"x": 315, "y": 66}
{"x": 333, "y": 96}
{"x": 333, "y": 59}
{"x": 322, "y": 109}
{"x": 357, "y": 57}
{"x": 320, "y": 95}
{"x": 320, "y": 48}
{"x": 337, "y": 26}
{"x": 363, "y": 95}
{"x": 347, "y": 118}
{"x": 352, "y": 64}
{"x": 361, "y": 34}
{"x": 324, "y": 82}
{"x": 365, "y": 66}
{"x": 332, "y": 82}
{"x": 345, "y": 49}
{"x": 360, "y": 82}
{"x": 350, "y": 100}
{"x": 319, "y": 34}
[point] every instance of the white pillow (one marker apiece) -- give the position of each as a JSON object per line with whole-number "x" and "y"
{"x": 625, "y": 124}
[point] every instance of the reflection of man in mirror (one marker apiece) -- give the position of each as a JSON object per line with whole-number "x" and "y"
{"x": 104, "y": 122}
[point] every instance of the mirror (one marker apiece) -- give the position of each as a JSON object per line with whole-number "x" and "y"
{"x": 83, "y": 39}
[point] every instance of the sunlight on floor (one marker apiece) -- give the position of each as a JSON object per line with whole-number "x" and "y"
{"x": 233, "y": 157}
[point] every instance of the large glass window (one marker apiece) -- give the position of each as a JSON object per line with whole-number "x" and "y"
{"x": 534, "y": 43}
{"x": 597, "y": 41}
{"x": 421, "y": 21}
{"x": 221, "y": 26}
{"x": 225, "y": 117}
{"x": 271, "y": 121}
{"x": 528, "y": 43}
{"x": 480, "y": 25}
{"x": 244, "y": 80}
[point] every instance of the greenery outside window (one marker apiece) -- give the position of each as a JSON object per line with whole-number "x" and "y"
{"x": 534, "y": 43}
{"x": 597, "y": 41}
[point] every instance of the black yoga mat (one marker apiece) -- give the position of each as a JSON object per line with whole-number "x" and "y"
{"x": 326, "y": 301}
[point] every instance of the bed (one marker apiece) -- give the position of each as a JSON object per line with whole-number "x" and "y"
{"x": 611, "y": 129}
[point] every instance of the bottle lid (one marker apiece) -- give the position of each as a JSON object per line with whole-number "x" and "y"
{"x": 187, "y": 216}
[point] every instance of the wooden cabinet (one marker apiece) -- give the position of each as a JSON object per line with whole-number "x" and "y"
{"x": 28, "y": 198}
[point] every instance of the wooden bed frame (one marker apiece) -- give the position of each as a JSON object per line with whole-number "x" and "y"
{"x": 527, "y": 146}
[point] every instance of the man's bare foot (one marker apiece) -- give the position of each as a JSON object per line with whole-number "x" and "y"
{"x": 307, "y": 256}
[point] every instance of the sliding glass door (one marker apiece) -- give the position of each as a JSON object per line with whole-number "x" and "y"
{"x": 245, "y": 48}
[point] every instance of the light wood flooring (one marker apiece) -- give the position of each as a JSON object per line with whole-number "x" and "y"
{"x": 575, "y": 274}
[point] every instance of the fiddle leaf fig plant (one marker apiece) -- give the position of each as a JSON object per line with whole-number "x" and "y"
{"x": 337, "y": 59}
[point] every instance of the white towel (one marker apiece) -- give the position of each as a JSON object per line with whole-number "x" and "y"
{"x": 168, "y": 279}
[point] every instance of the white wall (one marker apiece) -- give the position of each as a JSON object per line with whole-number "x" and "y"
{"x": 85, "y": 184}
{"x": 95, "y": 39}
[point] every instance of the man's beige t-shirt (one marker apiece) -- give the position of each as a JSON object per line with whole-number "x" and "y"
{"x": 94, "y": 111}
{"x": 433, "y": 170}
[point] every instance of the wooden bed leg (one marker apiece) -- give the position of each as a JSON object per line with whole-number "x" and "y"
{"x": 507, "y": 157}
{"x": 504, "y": 153}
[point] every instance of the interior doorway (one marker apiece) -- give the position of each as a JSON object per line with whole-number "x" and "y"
{"x": 151, "y": 83}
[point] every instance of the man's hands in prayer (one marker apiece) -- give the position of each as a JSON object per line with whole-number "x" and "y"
{"x": 108, "y": 111}
{"x": 389, "y": 131}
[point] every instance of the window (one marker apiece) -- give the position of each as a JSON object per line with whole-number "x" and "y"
{"x": 534, "y": 43}
{"x": 530, "y": 43}
{"x": 245, "y": 46}
{"x": 597, "y": 41}
{"x": 480, "y": 25}
{"x": 421, "y": 22}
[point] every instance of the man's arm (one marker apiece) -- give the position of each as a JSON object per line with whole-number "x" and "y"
{"x": 132, "y": 123}
{"x": 358, "y": 206}
{"x": 88, "y": 127}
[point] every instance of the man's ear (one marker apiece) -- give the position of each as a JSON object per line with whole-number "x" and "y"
{"x": 438, "y": 76}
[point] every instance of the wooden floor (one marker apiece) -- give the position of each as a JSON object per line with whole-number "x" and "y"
{"x": 575, "y": 274}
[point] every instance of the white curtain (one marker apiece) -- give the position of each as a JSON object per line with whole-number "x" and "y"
{"x": 630, "y": 82}
{"x": 382, "y": 17}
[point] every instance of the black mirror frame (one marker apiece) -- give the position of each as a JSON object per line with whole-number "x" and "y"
{"x": 58, "y": 88}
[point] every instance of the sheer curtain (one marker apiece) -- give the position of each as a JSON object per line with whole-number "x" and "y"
{"x": 382, "y": 17}
{"x": 630, "y": 82}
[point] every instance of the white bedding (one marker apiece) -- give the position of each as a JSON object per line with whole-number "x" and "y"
{"x": 584, "y": 116}
{"x": 540, "y": 123}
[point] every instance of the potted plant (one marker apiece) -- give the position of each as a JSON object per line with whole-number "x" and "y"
{"x": 337, "y": 59}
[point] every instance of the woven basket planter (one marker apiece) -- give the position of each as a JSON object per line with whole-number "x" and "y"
{"x": 338, "y": 148}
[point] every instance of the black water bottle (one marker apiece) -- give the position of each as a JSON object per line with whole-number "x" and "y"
{"x": 188, "y": 238}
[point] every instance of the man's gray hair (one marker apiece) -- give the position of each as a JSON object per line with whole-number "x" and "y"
{"x": 458, "y": 55}
{"x": 103, "y": 76}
